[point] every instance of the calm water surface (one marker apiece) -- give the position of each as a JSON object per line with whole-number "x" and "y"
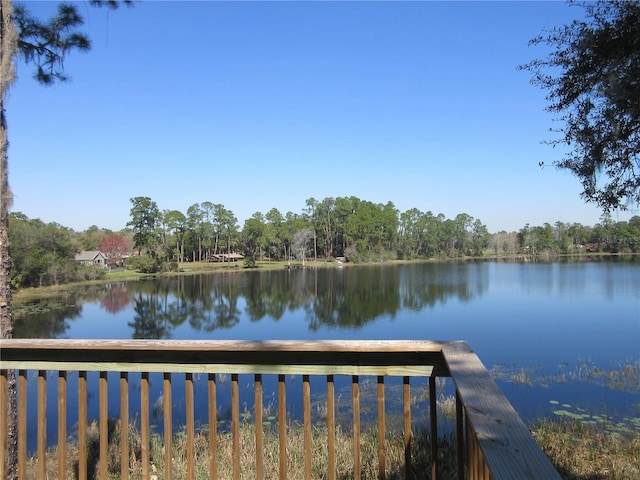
{"x": 541, "y": 328}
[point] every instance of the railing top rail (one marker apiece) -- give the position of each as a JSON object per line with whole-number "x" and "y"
{"x": 389, "y": 358}
{"x": 351, "y": 346}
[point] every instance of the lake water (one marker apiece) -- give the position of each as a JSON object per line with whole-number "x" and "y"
{"x": 553, "y": 334}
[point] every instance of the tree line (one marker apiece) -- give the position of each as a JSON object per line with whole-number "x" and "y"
{"x": 359, "y": 230}
{"x": 349, "y": 227}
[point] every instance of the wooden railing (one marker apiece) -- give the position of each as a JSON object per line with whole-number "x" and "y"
{"x": 492, "y": 440}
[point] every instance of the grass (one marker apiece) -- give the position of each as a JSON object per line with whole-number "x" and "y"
{"x": 394, "y": 451}
{"x": 579, "y": 452}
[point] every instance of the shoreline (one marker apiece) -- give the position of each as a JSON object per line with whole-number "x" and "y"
{"x": 196, "y": 268}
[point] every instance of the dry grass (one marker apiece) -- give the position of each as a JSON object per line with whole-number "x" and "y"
{"x": 394, "y": 450}
{"x": 586, "y": 452}
{"x": 579, "y": 452}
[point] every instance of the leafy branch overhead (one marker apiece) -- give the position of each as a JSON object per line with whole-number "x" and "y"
{"x": 46, "y": 44}
{"x": 592, "y": 77}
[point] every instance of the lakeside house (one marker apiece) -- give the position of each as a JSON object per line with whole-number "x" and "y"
{"x": 91, "y": 257}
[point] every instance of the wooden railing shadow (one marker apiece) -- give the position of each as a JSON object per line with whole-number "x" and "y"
{"x": 92, "y": 460}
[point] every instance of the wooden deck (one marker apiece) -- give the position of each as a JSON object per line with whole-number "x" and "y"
{"x": 493, "y": 442}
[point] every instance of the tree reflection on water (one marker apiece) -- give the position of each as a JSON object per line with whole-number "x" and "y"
{"x": 347, "y": 298}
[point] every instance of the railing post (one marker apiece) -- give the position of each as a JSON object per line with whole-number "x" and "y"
{"x": 306, "y": 402}
{"x": 190, "y": 414}
{"x": 355, "y": 398}
{"x": 42, "y": 424}
{"x": 282, "y": 426}
{"x": 104, "y": 426}
{"x": 433, "y": 415}
{"x": 235, "y": 425}
{"x": 460, "y": 436}
{"x": 213, "y": 426}
{"x": 22, "y": 424}
{"x": 406, "y": 390}
{"x": 124, "y": 426}
{"x": 167, "y": 404}
{"x": 82, "y": 425}
{"x": 144, "y": 423}
{"x": 381, "y": 430}
{"x": 331, "y": 427}
{"x": 258, "y": 423}
{"x": 62, "y": 423}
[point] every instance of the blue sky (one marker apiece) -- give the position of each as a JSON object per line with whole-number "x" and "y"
{"x": 256, "y": 105}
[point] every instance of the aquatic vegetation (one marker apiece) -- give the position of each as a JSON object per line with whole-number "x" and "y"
{"x": 622, "y": 375}
{"x": 615, "y": 426}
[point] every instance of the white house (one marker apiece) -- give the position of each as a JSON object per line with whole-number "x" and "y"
{"x": 92, "y": 257}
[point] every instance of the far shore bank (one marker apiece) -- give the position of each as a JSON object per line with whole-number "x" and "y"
{"x": 194, "y": 268}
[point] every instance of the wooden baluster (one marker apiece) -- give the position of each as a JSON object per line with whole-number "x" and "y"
{"x": 167, "y": 405}
{"x": 355, "y": 399}
{"x": 235, "y": 425}
{"x": 306, "y": 400}
{"x": 381, "y": 430}
{"x": 258, "y": 423}
{"x": 331, "y": 427}
{"x": 469, "y": 451}
{"x": 82, "y": 425}
{"x": 189, "y": 399}
{"x": 104, "y": 426}
{"x": 486, "y": 472}
{"x": 282, "y": 426}
{"x": 478, "y": 460}
{"x": 433, "y": 415}
{"x": 22, "y": 424}
{"x": 144, "y": 424}
{"x": 460, "y": 436}
{"x": 42, "y": 424}
{"x": 407, "y": 426}
{"x": 124, "y": 426}
{"x": 62, "y": 423}
{"x": 213, "y": 427}
{"x": 472, "y": 454}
